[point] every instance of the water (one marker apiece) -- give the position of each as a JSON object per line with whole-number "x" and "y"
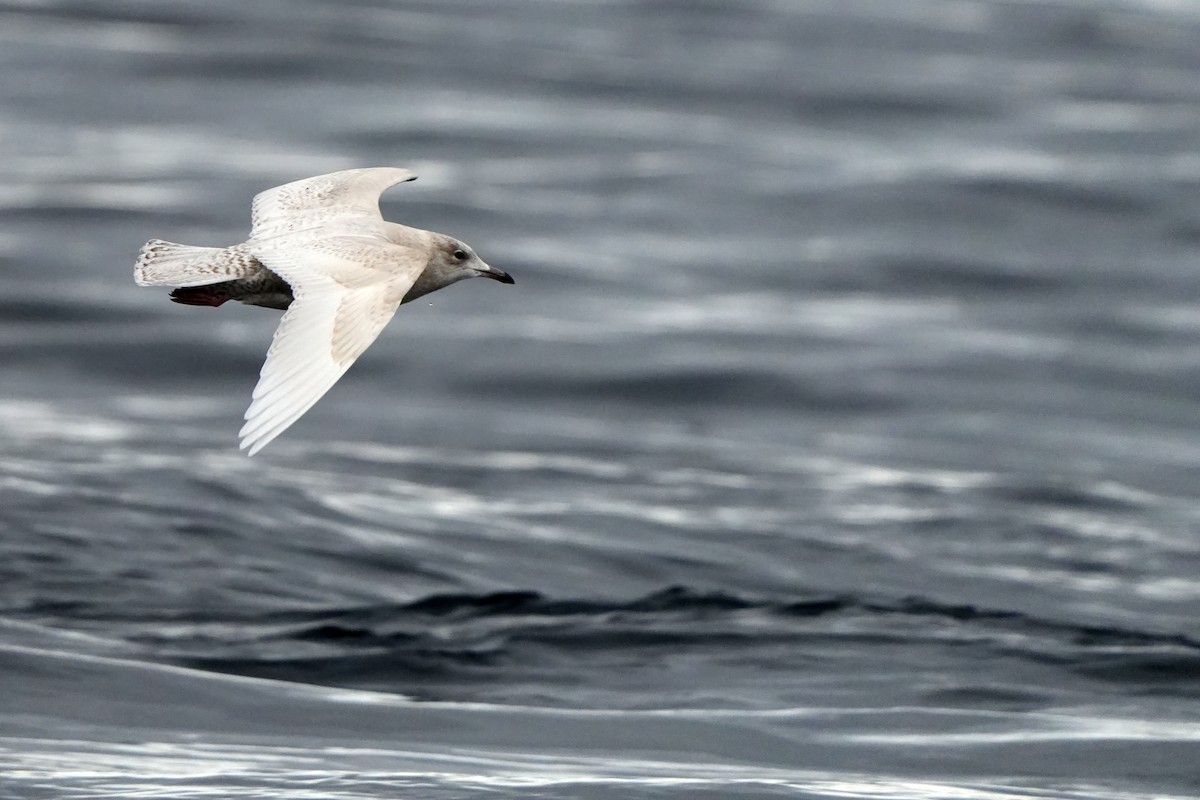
{"x": 839, "y": 438}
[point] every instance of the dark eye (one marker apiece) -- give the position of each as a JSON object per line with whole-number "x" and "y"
{"x": 460, "y": 255}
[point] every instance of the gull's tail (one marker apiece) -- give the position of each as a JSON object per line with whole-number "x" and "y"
{"x": 162, "y": 263}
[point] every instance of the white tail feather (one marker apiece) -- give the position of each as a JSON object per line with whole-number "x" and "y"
{"x": 162, "y": 263}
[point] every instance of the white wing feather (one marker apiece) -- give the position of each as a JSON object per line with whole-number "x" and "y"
{"x": 346, "y": 290}
{"x": 343, "y": 197}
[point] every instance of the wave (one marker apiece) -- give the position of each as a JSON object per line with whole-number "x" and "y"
{"x": 442, "y": 644}
{"x": 732, "y": 387}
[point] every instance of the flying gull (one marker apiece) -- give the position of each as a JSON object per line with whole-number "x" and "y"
{"x": 320, "y": 250}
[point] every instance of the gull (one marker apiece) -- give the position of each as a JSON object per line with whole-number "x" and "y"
{"x": 320, "y": 250}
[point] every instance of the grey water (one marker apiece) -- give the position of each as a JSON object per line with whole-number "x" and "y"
{"x": 840, "y": 437}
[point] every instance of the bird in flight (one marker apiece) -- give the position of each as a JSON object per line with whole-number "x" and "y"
{"x": 319, "y": 250}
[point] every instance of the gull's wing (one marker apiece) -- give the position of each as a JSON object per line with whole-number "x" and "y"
{"x": 346, "y": 290}
{"x": 349, "y": 196}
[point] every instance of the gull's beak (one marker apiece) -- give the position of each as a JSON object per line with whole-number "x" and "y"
{"x": 489, "y": 271}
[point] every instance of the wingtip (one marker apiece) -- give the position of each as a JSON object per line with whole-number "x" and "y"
{"x": 247, "y": 441}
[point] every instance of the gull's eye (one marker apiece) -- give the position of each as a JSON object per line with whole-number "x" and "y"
{"x": 460, "y": 255}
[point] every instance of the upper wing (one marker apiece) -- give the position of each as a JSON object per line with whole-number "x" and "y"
{"x": 341, "y": 305}
{"x": 342, "y": 196}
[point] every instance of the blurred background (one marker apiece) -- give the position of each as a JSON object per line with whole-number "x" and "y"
{"x": 839, "y": 437}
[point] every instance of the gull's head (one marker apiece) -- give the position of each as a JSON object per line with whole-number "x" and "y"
{"x": 454, "y": 261}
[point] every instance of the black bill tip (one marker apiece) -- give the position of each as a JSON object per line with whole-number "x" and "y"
{"x": 499, "y": 275}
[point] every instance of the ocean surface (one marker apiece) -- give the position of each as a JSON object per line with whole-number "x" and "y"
{"x": 840, "y": 437}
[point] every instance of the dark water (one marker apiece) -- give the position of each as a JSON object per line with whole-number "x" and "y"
{"x": 840, "y": 437}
